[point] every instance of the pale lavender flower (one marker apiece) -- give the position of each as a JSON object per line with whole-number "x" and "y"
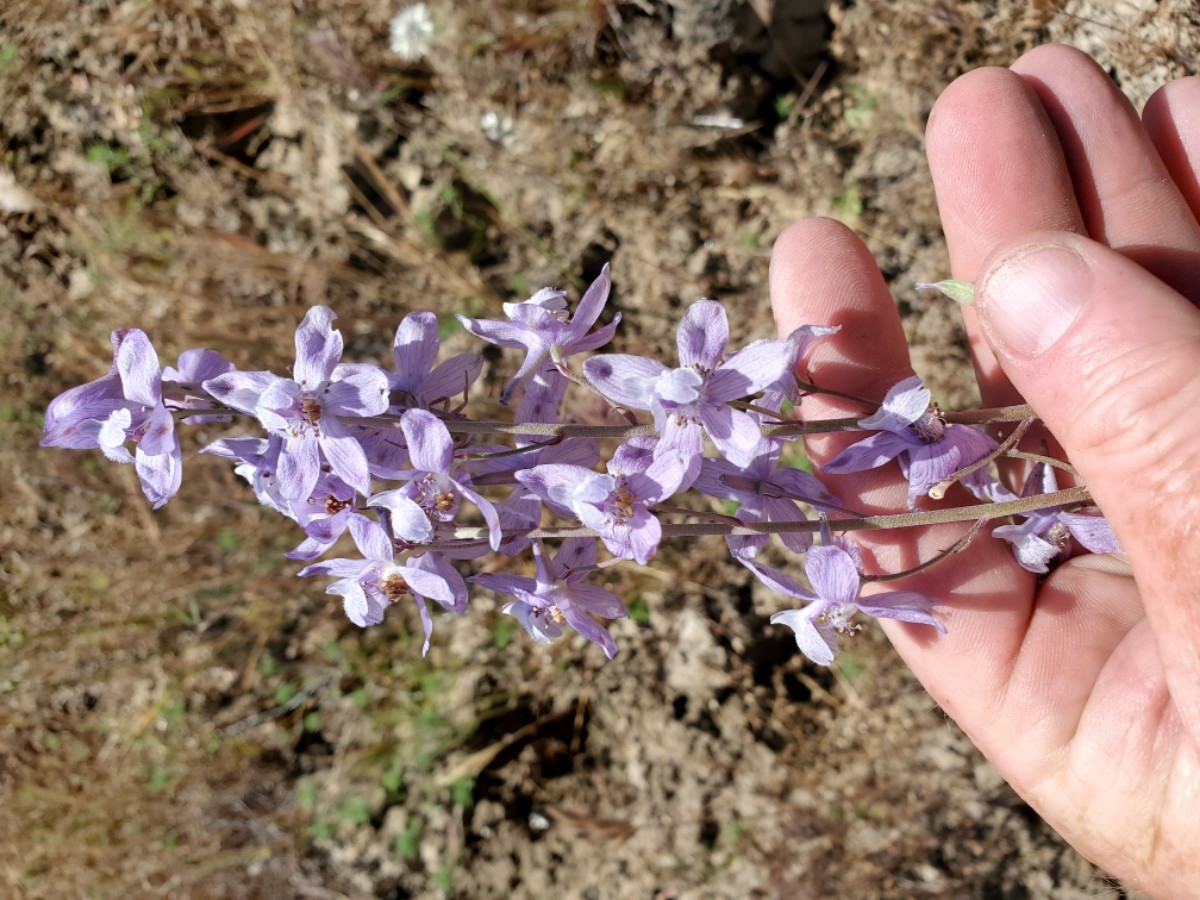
{"x": 371, "y": 584}
{"x": 928, "y": 449}
{"x": 693, "y": 399}
{"x": 306, "y": 411}
{"x": 521, "y": 511}
{"x": 126, "y": 405}
{"x": 541, "y": 328}
{"x": 196, "y": 367}
{"x": 541, "y": 400}
{"x": 560, "y": 595}
{"x": 617, "y": 505}
{"x": 257, "y": 461}
{"x": 835, "y": 575}
{"x": 417, "y": 381}
{"x": 1046, "y": 534}
{"x": 799, "y": 342}
{"x": 434, "y": 484}
{"x": 767, "y": 492}
{"x": 324, "y": 514}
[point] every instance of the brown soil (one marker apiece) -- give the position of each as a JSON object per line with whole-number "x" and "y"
{"x": 183, "y": 717}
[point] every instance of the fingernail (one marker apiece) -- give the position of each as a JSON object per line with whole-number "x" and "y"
{"x": 1028, "y": 301}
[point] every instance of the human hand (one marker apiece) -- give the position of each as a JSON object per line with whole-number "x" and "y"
{"x": 1078, "y": 223}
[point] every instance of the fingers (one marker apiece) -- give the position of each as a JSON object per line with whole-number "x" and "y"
{"x": 1172, "y": 119}
{"x": 1124, "y": 190}
{"x": 822, "y": 274}
{"x": 1109, "y": 356}
{"x": 1053, "y": 145}
{"x": 998, "y": 171}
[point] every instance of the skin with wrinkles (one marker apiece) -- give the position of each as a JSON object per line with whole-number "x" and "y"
{"x": 1083, "y": 687}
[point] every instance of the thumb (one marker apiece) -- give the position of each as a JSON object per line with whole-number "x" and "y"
{"x": 1109, "y": 356}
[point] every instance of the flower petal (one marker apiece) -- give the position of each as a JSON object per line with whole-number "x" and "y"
{"x": 590, "y": 307}
{"x": 735, "y": 433}
{"x": 703, "y": 334}
{"x": 506, "y": 334}
{"x": 240, "y": 390}
{"x": 429, "y": 444}
{"x": 358, "y": 389}
{"x": 318, "y": 348}
{"x": 869, "y": 453}
{"x": 749, "y": 370}
{"x": 817, "y": 642}
{"x": 598, "y": 601}
{"x": 345, "y": 454}
{"x": 591, "y": 629}
{"x": 624, "y": 379}
{"x": 903, "y": 606}
{"x": 371, "y": 539}
{"x": 1093, "y": 532}
{"x": 453, "y": 377}
{"x": 414, "y": 350}
{"x": 431, "y": 576}
{"x": 137, "y": 363}
{"x": 409, "y": 522}
{"x": 832, "y": 573}
{"x": 906, "y": 402}
{"x": 299, "y": 467}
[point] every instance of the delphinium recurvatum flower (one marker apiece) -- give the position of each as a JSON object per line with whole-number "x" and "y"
{"x": 425, "y": 493}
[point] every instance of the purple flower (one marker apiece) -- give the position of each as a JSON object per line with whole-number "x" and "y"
{"x": 257, "y": 460}
{"x": 196, "y": 367}
{"x": 835, "y": 575}
{"x": 767, "y": 492}
{"x": 432, "y": 484}
{"x": 694, "y": 398}
{"x": 1046, "y": 534}
{"x": 541, "y": 328}
{"x": 415, "y": 351}
{"x": 125, "y": 405}
{"x": 306, "y": 411}
{"x": 325, "y": 514}
{"x": 560, "y": 595}
{"x": 370, "y": 585}
{"x": 798, "y": 343}
{"x": 541, "y": 399}
{"x": 521, "y": 511}
{"x": 616, "y": 505}
{"x": 928, "y": 449}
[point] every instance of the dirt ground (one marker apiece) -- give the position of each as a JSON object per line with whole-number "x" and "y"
{"x": 182, "y": 717}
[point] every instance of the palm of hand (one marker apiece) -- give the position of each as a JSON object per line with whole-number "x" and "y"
{"x": 1086, "y": 699}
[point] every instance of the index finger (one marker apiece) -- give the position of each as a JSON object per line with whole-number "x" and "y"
{"x": 998, "y": 172}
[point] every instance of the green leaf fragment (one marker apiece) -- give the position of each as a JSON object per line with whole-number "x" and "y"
{"x": 960, "y": 291}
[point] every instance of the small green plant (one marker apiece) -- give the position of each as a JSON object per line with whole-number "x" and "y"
{"x": 356, "y": 811}
{"x": 284, "y": 693}
{"x": 462, "y": 791}
{"x": 408, "y": 841}
{"x": 162, "y": 779}
{"x": 503, "y": 630}
{"x": 849, "y": 204}
{"x": 9, "y": 58}
{"x": 860, "y": 107}
{"x": 306, "y": 793}
{"x": 850, "y": 666}
{"x": 784, "y": 105}
{"x": 639, "y": 610}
